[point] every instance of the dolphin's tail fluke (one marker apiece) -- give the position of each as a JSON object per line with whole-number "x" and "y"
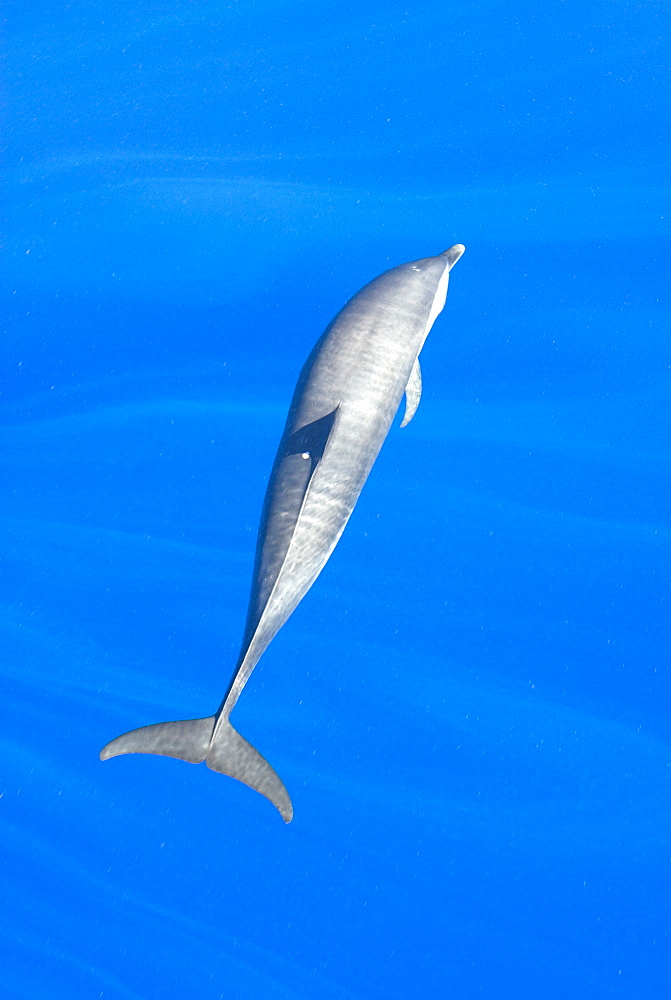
{"x": 218, "y": 744}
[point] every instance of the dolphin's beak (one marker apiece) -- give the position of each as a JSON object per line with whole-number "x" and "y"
{"x": 453, "y": 254}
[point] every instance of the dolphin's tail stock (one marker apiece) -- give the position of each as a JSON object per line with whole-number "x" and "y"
{"x": 214, "y": 741}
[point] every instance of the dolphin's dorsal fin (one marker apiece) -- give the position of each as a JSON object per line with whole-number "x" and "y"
{"x": 310, "y": 442}
{"x": 297, "y": 460}
{"x": 413, "y": 393}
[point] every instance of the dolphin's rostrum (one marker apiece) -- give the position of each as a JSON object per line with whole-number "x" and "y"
{"x": 347, "y": 395}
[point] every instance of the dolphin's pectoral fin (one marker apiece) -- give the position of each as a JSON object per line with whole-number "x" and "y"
{"x": 413, "y": 393}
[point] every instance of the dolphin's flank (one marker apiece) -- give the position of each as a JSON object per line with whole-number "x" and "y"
{"x": 347, "y": 395}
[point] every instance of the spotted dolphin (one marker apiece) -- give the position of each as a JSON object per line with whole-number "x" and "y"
{"x": 344, "y": 404}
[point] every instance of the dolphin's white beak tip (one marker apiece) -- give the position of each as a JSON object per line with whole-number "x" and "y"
{"x": 453, "y": 253}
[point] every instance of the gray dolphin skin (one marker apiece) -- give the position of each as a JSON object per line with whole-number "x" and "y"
{"x": 344, "y": 404}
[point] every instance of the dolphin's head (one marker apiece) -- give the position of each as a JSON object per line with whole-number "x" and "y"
{"x": 451, "y": 256}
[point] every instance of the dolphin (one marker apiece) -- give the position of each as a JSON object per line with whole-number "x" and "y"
{"x": 343, "y": 407}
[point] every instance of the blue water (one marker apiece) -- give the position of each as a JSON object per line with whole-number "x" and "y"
{"x": 471, "y": 709}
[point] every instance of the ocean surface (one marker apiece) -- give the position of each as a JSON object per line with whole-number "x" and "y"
{"x": 471, "y": 708}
